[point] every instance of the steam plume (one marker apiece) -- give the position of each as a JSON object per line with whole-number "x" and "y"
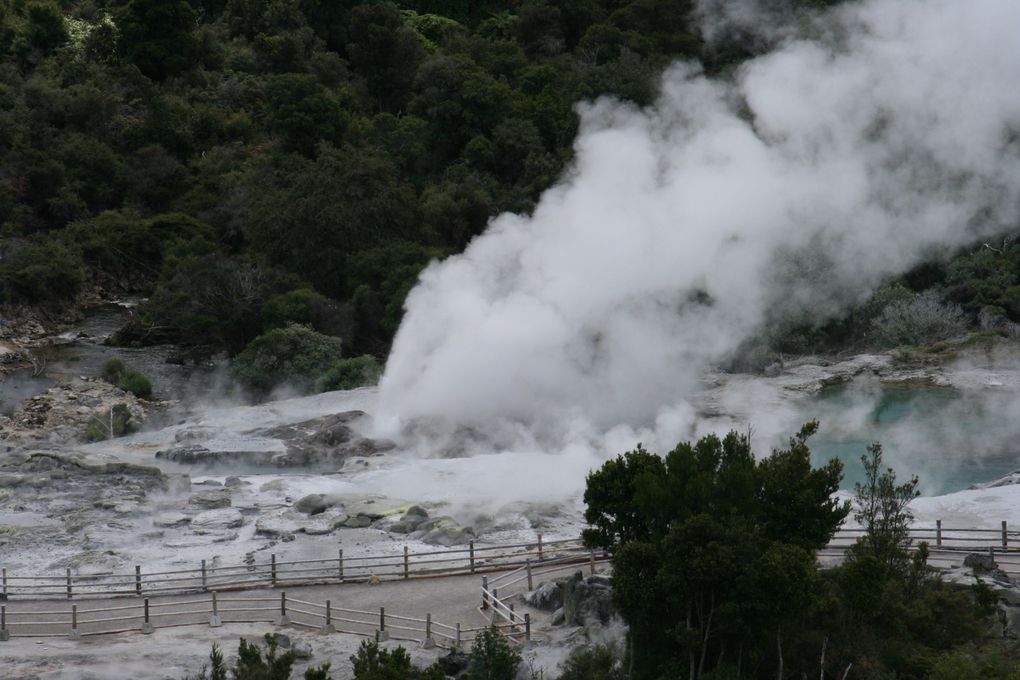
{"x": 799, "y": 184}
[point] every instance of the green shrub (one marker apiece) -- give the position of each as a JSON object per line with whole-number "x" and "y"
{"x": 112, "y": 370}
{"x": 41, "y": 272}
{"x": 109, "y": 424}
{"x": 295, "y": 355}
{"x": 137, "y": 384}
{"x": 347, "y": 374}
{"x": 492, "y": 657}
{"x": 954, "y": 666}
{"x": 295, "y": 306}
{"x": 596, "y": 663}
{"x": 375, "y": 663}
{"x": 116, "y": 373}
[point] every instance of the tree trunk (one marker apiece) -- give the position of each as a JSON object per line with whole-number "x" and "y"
{"x": 779, "y": 648}
{"x": 821, "y": 664}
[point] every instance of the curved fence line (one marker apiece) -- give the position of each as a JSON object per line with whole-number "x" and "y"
{"x": 77, "y": 621}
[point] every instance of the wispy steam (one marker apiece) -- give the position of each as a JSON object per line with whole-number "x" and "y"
{"x": 820, "y": 169}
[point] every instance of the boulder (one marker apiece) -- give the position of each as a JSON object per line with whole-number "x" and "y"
{"x": 302, "y": 650}
{"x": 278, "y": 525}
{"x": 547, "y": 596}
{"x": 217, "y": 498}
{"x": 358, "y": 522}
{"x": 587, "y": 601}
{"x": 325, "y": 523}
{"x": 169, "y": 520}
{"x": 411, "y": 520}
{"x": 216, "y": 520}
{"x": 233, "y": 482}
{"x": 317, "y": 503}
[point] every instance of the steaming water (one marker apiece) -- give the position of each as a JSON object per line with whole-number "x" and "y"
{"x": 951, "y": 439}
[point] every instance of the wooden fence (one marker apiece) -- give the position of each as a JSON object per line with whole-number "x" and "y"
{"x": 472, "y": 559}
{"x": 498, "y": 593}
{"x": 521, "y": 562}
{"x": 144, "y": 616}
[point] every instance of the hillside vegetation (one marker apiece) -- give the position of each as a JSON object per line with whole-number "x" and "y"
{"x": 252, "y": 164}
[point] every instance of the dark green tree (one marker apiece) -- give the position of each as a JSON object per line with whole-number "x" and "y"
{"x": 881, "y": 508}
{"x": 709, "y": 568}
{"x": 157, "y": 36}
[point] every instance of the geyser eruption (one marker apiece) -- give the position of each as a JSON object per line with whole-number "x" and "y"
{"x": 798, "y": 184}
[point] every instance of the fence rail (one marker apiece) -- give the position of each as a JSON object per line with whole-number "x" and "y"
{"x": 144, "y": 616}
{"x": 520, "y": 563}
{"x": 471, "y": 559}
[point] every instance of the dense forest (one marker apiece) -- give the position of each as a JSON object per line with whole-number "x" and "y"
{"x": 249, "y": 165}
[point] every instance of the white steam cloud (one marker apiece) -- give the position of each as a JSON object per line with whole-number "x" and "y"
{"x": 814, "y": 173}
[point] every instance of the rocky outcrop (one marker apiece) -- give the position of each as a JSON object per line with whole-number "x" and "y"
{"x": 444, "y": 531}
{"x": 547, "y": 596}
{"x": 216, "y": 498}
{"x": 324, "y": 443}
{"x": 587, "y": 600}
{"x": 60, "y": 415}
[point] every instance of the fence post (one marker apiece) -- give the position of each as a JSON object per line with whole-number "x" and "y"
{"x": 471, "y": 555}
{"x": 340, "y": 565}
{"x": 328, "y": 627}
{"x": 214, "y": 618}
{"x": 456, "y": 640}
{"x": 69, "y": 583}
{"x": 406, "y": 565}
{"x": 591, "y": 559}
{"x": 283, "y": 620}
{"x": 485, "y": 596}
{"x": 513, "y": 619}
{"x": 4, "y": 633}
{"x": 3, "y": 595}
{"x": 938, "y": 533}
{"x": 75, "y": 635}
{"x": 383, "y": 634}
{"x": 540, "y": 547}
{"x": 428, "y": 643}
{"x": 205, "y": 578}
{"x": 147, "y": 628}
{"x": 272, "y": 567}
{"x": 1005, "y": 537}
{"x": 527, "y": 627}
{"x": 527, "y": 567}
{"x": 138, "y": 580}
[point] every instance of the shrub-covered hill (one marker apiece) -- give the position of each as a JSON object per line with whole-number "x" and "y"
{"x": 220, "y": 154}
{"x": 249, "y": 164}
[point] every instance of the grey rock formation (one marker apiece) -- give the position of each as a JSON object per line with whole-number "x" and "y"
{"x": 547, "y": 596}
{"x": 217, "y": 520}
{"x": 216, "y": 498}
{"x": 587, "y": 601}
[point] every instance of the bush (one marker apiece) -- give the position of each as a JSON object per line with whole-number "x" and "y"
{"x": 137, "y": 384}
{"x": 112, "y": 370}
{"x": 295, "y": 355}
{"x": 922, "y": 319}
{"x": 348, "y": 374}
{"x": 107, "y": 425}
{"x": 295, "y": 306}
{"x": 492, "y": 657}
{"x": 954, "y": 666}
{"x": 116, "y": 373}
{"x": 41, "y": 272}
{"x": 596, "y": 663}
